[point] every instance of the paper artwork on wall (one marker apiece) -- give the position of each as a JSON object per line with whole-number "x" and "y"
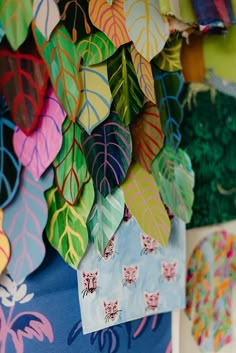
{"x": 5, "y": 250}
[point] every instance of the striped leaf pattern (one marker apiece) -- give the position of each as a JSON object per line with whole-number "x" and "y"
{"x": 147, "y": 136}
{"x": 144, "y": 74}
{"x": 95, "y": 101}
{"x": 169, "y": 58}
{"x": 95, "y": 48}
{"x": 110, "y": 19}
{"x": 174, "y": 176}
{"x": 143, "y": 200}
{"x": 108, "y": 153}
{"x": 4, "y": 246}
{"x": 70, "y": 165}
{"x": 63, "y": 65}
{"x": 46, "y": 16}
{"x": 16, "y": 17}
{"x": 127, "y": 95}
{"x": 66, "y": 227}
{"x": 147, "y": 28}
{"x": 105, "y": 217}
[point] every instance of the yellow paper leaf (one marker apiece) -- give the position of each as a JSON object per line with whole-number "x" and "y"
{"x": 4, "y": 246}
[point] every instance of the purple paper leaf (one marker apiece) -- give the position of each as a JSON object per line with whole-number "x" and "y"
{"x": 24, "y": 221}
{"x": 38, "y": 150}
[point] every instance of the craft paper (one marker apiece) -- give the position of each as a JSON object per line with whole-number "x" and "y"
{"x": 23, "y": 82}
{"x": 226, "y": 87}
{"x": 169, "y": 58}
{"x": 147, "y": 28}
{"x": 95, "y": 101}
{"x": 137, "y": 291}
{"x": 127, "y": 96}
{"x": 38, "y": 150}
{"x": 23, "y": 222}
{"x": 108, "y": 153}
{"x": 46, "y": 16}
{"x": 2, "y": 32}
{"x": 143, "y": 199}
{"x": 5, "y": 250}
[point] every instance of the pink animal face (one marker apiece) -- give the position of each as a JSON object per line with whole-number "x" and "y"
{"x": 130, "y": 274}
{"x": 109, "y": 249}
{"x": 111, "y": 310}
{"x": 90, "y": 280}
{"x": 152, "y": 300}
{"x": 149, "y": 245}
{"x": 168, "y": 270}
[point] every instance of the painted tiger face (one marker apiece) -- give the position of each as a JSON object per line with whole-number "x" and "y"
{"x": 90, "y": 280}
{"x": 168, "y": 271}
{"x": 111, "y": 310}
{"x": 152, "y": 300}
{"x": 130, "y": 274}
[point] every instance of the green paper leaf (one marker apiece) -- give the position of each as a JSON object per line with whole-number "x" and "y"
{"x": 96, "y": 96}
{"x": 16, "y": 17}
{"x": 70, "y": 166}
{"x": 66, "y": 227}
{"x": 174, "y": 176}
{"x": 63, "y": 65}
{"x": 2, "y": 32}
{"x": 109, "y": 2}
{"x": 169, "y": 57}
{"x": 105, "y": 217}
{"x": 95, "y": 48}
{"x": 127, "y": 95}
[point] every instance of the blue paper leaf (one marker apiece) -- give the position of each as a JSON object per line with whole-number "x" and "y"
{"x": 24, "y": 221}
{"x": 46, "y": 16}
{"x": 74, "y": 333}
{"x": 2, "y": 32}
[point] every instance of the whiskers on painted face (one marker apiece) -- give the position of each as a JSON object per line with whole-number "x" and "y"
{"x": 112, "y": 312}
{"x": 90, "y": 281}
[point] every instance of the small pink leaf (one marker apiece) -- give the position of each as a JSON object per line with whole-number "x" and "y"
{"x": 38, "y": 150}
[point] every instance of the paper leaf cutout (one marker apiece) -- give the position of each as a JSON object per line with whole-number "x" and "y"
{"x": 4, "y": 246}
{"x": 46, "y": 16}
{"x": 37, "y": 151}
{"x": 147, "y": 28}
{"x": 24, "y": 221}
{"x": 10, "y": 166}
{"x": 168, "y": 87}
{"x": 147, "y": 136}
{"x": 96, "y": 96}
{"x": 110, "y": 19}
{"x": 66, "y": 228}
{"x": 108, "y": 153}
{"x": 70, "y": 165}
{"x": 23, "y": 81}
{"x": 95, "y": 48}
{"x": 109, "y": 2}
{"x": 105, "y": 217}
{"x": 63, "y": 65}
{"x": 74, "y": 14}
{"x": 174, "y": 176}
{"x": 144, "y": 74}
{"x": 169, "y": 58}
{"x": 127, "y": 95}
{"x": 16, "y": 17}
{"x": 143, "y": 200}
{"x": 2, "y": 32}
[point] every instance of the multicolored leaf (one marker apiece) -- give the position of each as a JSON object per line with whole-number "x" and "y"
{"x": 74, "y": 14}
{"x": 23, "y": 81}
{"x": 10, "y": 166}
{"x": 16, "y": 17}
{"x": 174, "y": 176}
{"x": 144, "y": 74}
{"x": 70, "y": 166}
{"x": 24, "y": 221}
{"x": 96, "y": 99}
{"x": 147, "y": 28}
{"x": 169, "y": 58}
{"x": 147, "y": 136}
{"x": 5, "y": 250}
{"x": 95, "y": 48}
{"x": 66, "y": 228}
{"x": 105, "y": 217}
{"x": 127, "y": 96}
{"x": 108, "y": 153}
{"x": 143, "y": 200}
{"x": 110, "y": 19}
{"x": 168, "y": 87}
{"x": 46, "y": 16}
{"x": 63, "y": 65}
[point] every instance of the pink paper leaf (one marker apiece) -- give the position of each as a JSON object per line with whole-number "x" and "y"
{"x": 38, "y": 150}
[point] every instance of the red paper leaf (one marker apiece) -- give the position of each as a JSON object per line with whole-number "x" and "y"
{"x": 23, "y": 82}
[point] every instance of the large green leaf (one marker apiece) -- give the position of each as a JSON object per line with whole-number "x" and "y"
{"x": 175, "y": 179}
{"x": 70, "y": 165}
{"x": 95, "y": 48}
{"x": 66, "y": 227}
{"x": 105, "y": 217}
{"x": 63, "y": 65}
{"x": 127, "y": 95}
{"x": 169, "y": 58}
